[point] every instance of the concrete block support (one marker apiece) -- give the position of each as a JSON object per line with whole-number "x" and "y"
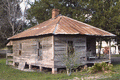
{"x": 54, "y": 70}
{"x": 40, "y": 68}
{"x": 13, "y": 63}
{"x": 30, "y": 67}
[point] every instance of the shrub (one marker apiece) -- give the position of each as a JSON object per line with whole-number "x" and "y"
{"x": 100, "y": 67}
{"x": 84, "y": 69}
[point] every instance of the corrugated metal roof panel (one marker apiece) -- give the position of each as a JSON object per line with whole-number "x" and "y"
{"x": 62, "y": 25}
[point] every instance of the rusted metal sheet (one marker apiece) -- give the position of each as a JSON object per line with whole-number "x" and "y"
{"x": 62, "y": 25}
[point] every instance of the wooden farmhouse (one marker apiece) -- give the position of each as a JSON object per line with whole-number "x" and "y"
{"x": 42, "y": 44}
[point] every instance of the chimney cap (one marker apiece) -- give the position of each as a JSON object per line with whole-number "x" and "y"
{"x": 55, "y": 10}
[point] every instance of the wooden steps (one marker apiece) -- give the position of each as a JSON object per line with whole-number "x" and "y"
{"x": 9, "y": 61}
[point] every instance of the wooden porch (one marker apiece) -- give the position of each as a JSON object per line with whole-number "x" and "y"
{"x": 98, "y": 61}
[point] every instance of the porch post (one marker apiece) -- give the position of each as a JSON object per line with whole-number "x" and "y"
{"x": 100, "y": 48}
{"x": 110, "y": 50}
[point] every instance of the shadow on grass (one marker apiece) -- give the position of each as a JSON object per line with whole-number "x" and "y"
{"x": 2, "y": 56}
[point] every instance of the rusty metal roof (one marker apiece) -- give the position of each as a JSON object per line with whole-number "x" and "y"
{"x": 62, "y": 25}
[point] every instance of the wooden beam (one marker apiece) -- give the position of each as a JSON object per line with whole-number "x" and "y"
{"x": 110, "y": 50}
{"x": 53, "y": 47}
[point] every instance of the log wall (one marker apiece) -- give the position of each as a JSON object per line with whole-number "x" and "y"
{"x": 29, "y": 51}
{"x": 79, "y": 44}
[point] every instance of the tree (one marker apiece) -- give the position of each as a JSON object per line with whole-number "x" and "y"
{"x": 11, "y": 19}
{"x": 14, "y": 14}
{"x": 41, "y": 10}
{"x": 105, "y": 15}
{"x": 70, "y": 62}
{"x": 71, "y": 59}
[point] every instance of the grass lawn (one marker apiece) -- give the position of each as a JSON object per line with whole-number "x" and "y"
{"x": 8, "y": 73}
{"x": 116, "y": 55}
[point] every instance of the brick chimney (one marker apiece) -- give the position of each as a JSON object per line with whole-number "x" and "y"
{"x": 55, "y": 12}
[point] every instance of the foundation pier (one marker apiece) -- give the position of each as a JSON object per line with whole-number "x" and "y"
{"x": 40, "y": 68}
{"x": 30, "y": 67}
{"x": 54, "y": 70}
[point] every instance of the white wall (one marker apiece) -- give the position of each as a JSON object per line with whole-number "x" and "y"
{"x": 114, "y": 50}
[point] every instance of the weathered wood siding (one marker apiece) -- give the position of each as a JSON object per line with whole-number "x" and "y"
{"x": 29, "y": 51}
{"x": 60, "y": 44}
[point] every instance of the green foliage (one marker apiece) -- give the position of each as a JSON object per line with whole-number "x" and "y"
{"x": 8, "y": 73}
{"x": 100, "y": 67}
{"x": 70, "y": 61}
{"x": 85, "y": 69}
{"x": 42, "y": 10}
{"x": 105, "y": 15}
{"x": 11, "y": 20}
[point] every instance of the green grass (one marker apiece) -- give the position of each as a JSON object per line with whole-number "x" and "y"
{"x": 9, "y": 73}
{"x": 116, "y": 74}
{"x": 116, "y": 55}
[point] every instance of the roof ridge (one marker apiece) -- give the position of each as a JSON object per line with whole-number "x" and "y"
{"x": 57, "y": 25}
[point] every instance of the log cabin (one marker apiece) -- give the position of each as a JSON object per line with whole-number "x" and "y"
{"x": 40, "y": 45}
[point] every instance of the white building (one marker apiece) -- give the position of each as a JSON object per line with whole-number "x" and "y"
{"x": 114, "y": 47}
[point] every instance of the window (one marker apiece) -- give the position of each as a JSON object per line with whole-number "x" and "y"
{"x": 20, "y": 49}
{"x": 20, "y": 46}
{"x": 70, "y": 49}
{"x": 39, "y": 45}
{"x": 39, "y": 49}
{"x": 20, "y": 52}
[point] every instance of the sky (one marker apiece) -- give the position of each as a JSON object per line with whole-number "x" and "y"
{"x": 24, "y": 4}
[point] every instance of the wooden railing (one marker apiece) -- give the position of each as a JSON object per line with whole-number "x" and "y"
{"x": 9, "y": 59}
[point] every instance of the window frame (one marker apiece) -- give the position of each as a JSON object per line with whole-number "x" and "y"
{"x": 68, "y": 52}
{"x": 20, "y": 49}
{"x": 39, "y": 47}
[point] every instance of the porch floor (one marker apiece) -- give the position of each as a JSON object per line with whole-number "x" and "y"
{"x": 98, "y": 61}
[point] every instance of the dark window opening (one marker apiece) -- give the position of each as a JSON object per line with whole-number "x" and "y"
{"x": 39, "y": 49}
{"x": 39, "y": 46}
{"x": 35, "y": 67}
{"x": 70, "y": 49}
{"x": 20, "y": 49}
{"x": 16, "y": 64}
{"x": 20, "y": 52}
{"x": 26, "y": 65}
{"x": 88, "y": 45}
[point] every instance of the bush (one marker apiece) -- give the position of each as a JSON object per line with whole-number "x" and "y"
{"x": 100, "y": 67}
